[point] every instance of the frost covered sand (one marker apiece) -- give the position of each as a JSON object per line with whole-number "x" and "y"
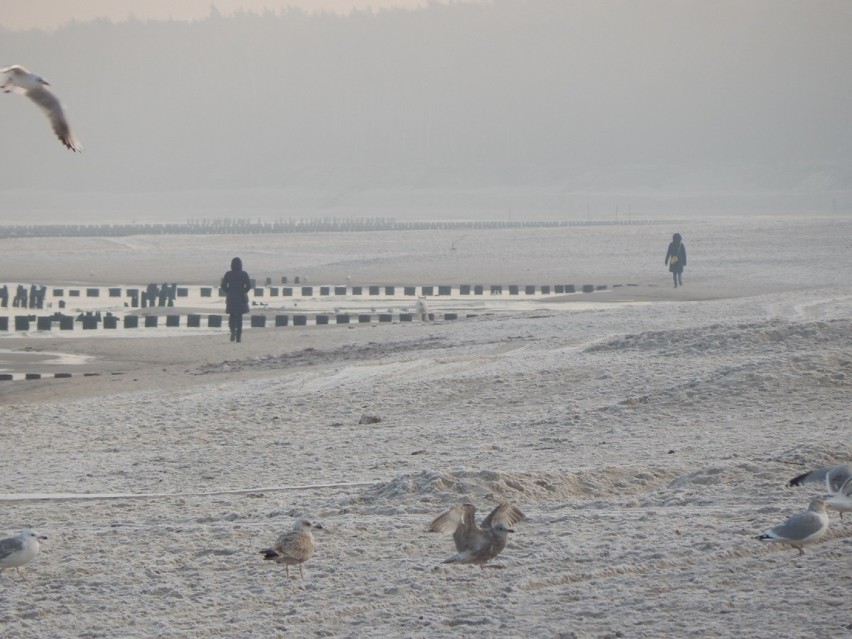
{"x": 647, "y": 434}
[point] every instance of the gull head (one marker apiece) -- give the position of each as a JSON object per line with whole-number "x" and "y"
{"x": 817, "y": 505}
{"x": 502, "y": 529}
{"x": 32, "y": 534}
{"x": 305, "y": 524}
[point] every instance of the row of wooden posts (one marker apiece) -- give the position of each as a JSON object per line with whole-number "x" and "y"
{"x": 135, "y": 294}
{"x": 8, "y": 377}
{"x": 91, "y": 322}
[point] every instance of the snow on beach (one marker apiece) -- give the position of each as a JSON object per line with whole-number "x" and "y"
{"x": 647, "y": 433}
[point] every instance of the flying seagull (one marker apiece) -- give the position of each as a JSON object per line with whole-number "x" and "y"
{"x": 477, "y": 544}
{"x": 802, "y": 528}
{"x": 19, "y": 80}
{"x": 19, "y": 549}
{"x": 293, "y": 548}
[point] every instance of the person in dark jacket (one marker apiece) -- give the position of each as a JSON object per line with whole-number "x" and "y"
{"x": 676, "y": 259}
{"x": 152, "y": 291}
{"x": 236, "y": 284}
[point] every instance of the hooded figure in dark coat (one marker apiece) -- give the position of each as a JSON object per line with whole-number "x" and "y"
{"x": 236, "y": 284}
{"x": 676, "y": 259}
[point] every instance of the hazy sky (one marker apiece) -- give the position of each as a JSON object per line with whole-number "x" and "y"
{"x": 49, "y": 14}
{"x": 729, "y": 101}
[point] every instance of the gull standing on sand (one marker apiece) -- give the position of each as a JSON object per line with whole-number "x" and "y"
{"x": 293, "y": 548}
{"x": 19, "y": 80}
{"x": 19, "y": 549}
{"x": 802, "y": 528}
{"x": 477, "y": 544}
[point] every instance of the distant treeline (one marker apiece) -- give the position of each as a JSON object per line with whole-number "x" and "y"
{"x": 247, "y": 227}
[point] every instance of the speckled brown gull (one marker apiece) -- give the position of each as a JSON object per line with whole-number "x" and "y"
{"x": 19, "y": 80}
{"x": 293, "y": 548}
{"x": 19, "y": 549}
{"x": 477, "y": 544}
{"x": 801, "y": 529}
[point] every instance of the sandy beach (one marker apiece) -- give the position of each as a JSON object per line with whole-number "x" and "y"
{"x": 647, "y": 432}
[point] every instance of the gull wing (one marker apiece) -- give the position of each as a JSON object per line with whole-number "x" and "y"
{"x": 449, "y": 521}
{"x": 10, "y": 545}
{"x": 799, "y": 527}
{"x": 53, "y": 109}
{"x": 505, "y": 514}
{"x": 295, "y": 545}
{"x": 832, "y": 476}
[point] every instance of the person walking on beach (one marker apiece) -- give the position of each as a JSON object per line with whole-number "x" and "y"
{"x": 152, "y": 292}
{"x": 236, "y": 284}
{"x": 676, "y": 259}
{"x": 21, "y": 300}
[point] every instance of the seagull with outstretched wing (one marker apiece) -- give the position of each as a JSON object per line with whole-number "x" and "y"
{"x": 17, "y": 79}
{"x": 477, "y": 544}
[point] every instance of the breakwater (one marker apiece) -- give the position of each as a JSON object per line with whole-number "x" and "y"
{"x": 237, "y": 226}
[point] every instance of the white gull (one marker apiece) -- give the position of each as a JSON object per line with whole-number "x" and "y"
{"x": 19, "y": 80}
{"x": 837, "y": 481}
{"x": 19, "y": 549}
{"x": 802, "y": 528}
{"x": 832, "y": 476}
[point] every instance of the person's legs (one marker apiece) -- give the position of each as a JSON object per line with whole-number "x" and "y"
{"x": 680, "y": 278}
{"x": 674, "y": 277}
{"x": 239, "y": 326}
{"x": 232, "y": 324}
